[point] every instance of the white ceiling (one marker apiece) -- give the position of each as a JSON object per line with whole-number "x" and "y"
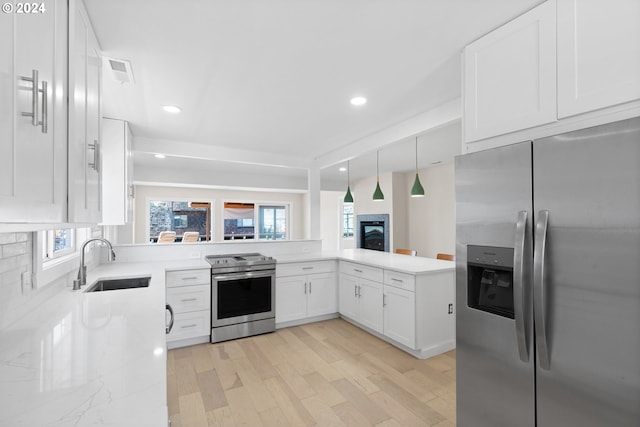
{"x": 274, "y": 77}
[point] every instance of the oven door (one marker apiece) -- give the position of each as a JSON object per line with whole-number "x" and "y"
{"x": 242, "y": 297}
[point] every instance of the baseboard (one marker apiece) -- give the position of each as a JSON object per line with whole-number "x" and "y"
{"x": 306, "y": 320}
{"x": 187, "y": 342}
{"x": 424, "y": 353}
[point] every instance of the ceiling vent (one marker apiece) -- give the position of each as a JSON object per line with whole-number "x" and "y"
{"x": 119, "y": 70}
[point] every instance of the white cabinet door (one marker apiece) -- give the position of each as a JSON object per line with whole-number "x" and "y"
{"x": 321, "y": 296}
{"x": 349, "y": 296}
{"x": 84, "y": 118}
{"x": 598, "y": 54}
{"x": 400, "y": 315}
{"x": 291, "y": 298}
{"x": 510, "y": 76}
{"x": 370, "y": 304}
{"x": 116, "y": 172}
{"x": 33, "y": 148}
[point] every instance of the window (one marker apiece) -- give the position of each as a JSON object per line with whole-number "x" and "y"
{"x": 273, "y": 222}
{"x": 179, "y": 216}
{"x": 58, "y": 243}
{"x": 347, "y": 220}
{"x": 238, "y": 221}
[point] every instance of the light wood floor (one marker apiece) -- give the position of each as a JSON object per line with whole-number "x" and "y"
{"x": 328, "y": 373}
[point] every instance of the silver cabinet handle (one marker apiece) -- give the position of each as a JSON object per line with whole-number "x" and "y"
{"x": 189, "y": 278}
{"x": 168, "y": 329}
{"x": 307, "y": 268}
{"x": 539, "y": 289}
{"x": 189, "y": 299}
{"x": 355, "y": 291}
{"x": 309, "y": 286}
{"x": 45, "y": 108}
{"x": 384, "y": 300}
{"x": 305, "y": 287}
{"x": 96, "y": 155}
{"x": 193, "y": 325}
{"x": 359, "y": 291}
{"x": 397, "y": 280}
{"x": 520, "y": 294}
{"x": 357, "y": 271}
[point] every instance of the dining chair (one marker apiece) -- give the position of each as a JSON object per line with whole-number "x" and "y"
{"x": 190, "y": 236}
{"x": 167, "y": 237}
{"x": 446, "y": 257}
{"x": 407, "y": 252}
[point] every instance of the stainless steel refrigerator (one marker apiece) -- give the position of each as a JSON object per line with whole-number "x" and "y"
{"x": 548, "y": 281}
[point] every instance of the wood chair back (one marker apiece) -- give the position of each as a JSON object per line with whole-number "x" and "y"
{"x": 446, "y": 257}
{"x": 190, "y": 236}
{"x": 167, "y": 237}
{"x": 407, "y": 252}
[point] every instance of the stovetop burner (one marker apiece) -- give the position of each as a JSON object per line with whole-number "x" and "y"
{"x": 240, "y": 262}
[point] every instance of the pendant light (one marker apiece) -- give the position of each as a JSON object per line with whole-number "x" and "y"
{"x": 348, "y": 198}
{"x": 377, "y": 195}
{"x": 417, "y": 190}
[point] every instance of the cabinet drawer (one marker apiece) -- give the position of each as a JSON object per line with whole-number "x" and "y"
{"x": 188, "y": 277}
{"x": 302, "y": 268}
{"x": 362, "y": 271}
{"x": 400, "y": 280}
{"x": 189, "y": 298}
{"x": 190, "y": 325}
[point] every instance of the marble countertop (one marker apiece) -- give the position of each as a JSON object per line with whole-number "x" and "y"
{"x": 389, "y": 261}
{"x": 87, "y": 359}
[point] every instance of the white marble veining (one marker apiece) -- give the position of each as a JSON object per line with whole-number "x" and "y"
{"x": 386, "y": 260}
{"x": 90, "y": 359}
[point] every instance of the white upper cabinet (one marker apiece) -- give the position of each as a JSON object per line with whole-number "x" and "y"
{"x": 598, "y": 54}
{"x": 117, "y": 172}
{"x": 33, "y": 115}
{"x": 85, "y": 202}
{"x": 510, "y": 76}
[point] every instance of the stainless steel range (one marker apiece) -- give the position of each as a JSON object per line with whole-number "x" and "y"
{"x": 242, "y": 295}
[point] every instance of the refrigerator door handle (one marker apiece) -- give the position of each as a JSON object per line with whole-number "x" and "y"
{"x": 539, "y": 289}
{"x": 519, "y": 283}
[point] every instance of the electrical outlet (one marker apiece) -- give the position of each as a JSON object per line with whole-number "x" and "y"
{"x": 194, "y": 255}
{"x": 305, "y": 250}
{"x": 450, "y": 309}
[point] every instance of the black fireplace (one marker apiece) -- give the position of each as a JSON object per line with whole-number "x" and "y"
{"x": 373, "y": 232}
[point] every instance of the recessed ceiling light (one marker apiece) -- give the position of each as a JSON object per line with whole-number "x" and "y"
{"x": 171, "y": 109}
{"x": 159, "y": 156}
{"x": 358, "y": 100}
{"x": 342, "y": 169}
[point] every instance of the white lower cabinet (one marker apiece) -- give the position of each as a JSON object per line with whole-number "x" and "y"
{"x": 400, "y": 315}
{"x": 189, "y": 295}
{"x": 361, "y": 300}
{"x": 302, "y": 296}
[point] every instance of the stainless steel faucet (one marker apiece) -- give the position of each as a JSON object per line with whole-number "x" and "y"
{"x": 82, "y": 272}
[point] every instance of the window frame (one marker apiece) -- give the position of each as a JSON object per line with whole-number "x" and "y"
{"x": 344, "y": 221}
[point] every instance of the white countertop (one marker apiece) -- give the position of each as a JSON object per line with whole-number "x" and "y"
{"x": 85, "y": 359}
{"x": 389, "y": 261}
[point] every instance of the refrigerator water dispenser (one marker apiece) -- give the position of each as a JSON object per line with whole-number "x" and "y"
{"x": 490, "y": 279}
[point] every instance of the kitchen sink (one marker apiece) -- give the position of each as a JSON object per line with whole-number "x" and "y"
{"x": 121, "y": 283}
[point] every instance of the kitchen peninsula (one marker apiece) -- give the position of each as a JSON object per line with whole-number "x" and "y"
{"x": 100, "y": 357}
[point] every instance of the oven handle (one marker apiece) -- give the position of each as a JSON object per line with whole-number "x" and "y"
{"x": 243, "y": 275}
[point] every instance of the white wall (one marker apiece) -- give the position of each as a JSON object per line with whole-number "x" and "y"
{"x": 432, "y": 218}
{"x": 144, "y": 193}
{"x": 330, "y": 219}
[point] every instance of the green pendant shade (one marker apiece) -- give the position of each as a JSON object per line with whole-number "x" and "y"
{"x": 348, "y": 198}
{"x": 377, "y": 195}
{"x": 417, "y": 190}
